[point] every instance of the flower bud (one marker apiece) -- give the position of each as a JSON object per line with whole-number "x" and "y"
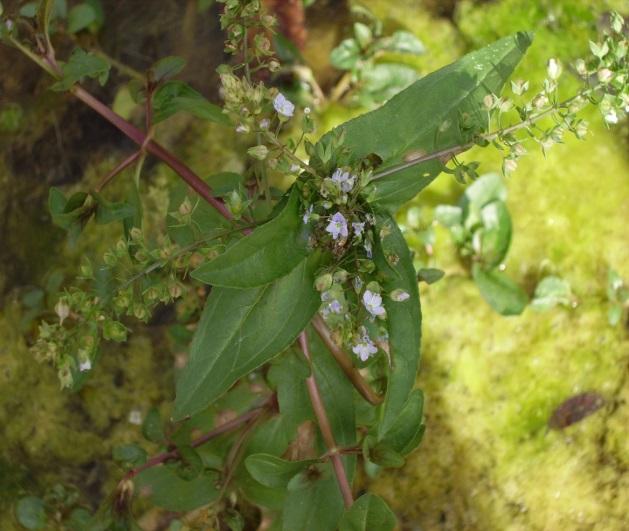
{"x": 323, "y": 282}
{"x": 399, "y": 295}
{"x": 186, "y": 207}
{"x": 114, "y": 331}
{"x": 258, "y": 152}
{"x": 605, "y": 75}
{"x": 509, "y": 166}
{"x": 62, "y": 310}
{"x": 553, "y": 69}
{"x": 581, "y": 67}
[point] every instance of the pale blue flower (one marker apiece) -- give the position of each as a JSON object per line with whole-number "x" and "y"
{"x": 343, "y": 180}
{"x": 283, "y": 106}
{"x": 335, "y": 306}
{"x": 364, "y": 348}
{"x": 373, "y": 302}
{"x": 337, "y": 226}
{"x": 358, "y": 228}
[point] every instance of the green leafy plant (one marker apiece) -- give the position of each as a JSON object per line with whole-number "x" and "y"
{"x": 302, "y": 363}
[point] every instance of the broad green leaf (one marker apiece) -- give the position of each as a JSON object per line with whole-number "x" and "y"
{"x": 273, "y": 471}
{"x": 80, "y": 17}
{"x": 345, "y": 55}
{"x": 396, "y": 271}
{"x": 500, "y": 292}
{"x": 166, "y": 489}
{"x": 242, "y": 329}
{"x": 269, "y": 252}
{"x": 551, "y": 291}
{"x": 404, "y": 435}
{"x": 288, "y": 376}
{"x": 495, "y": 236}
{"x": 317, "y": 506}
{"x": 30, "y": 512}
{"x": 152, "y": 426}
{"x": 439, "y": 111}
{"x": 167, "y": 67}
{"x": 368, "y": 513}
{"x": 82, "y": 65}
{"x": 176, "y": 96}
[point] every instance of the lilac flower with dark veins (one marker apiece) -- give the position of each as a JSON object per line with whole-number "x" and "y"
{"x": 337, "y": 226}
{"x": 364, "y": 348}
{"x": 358, "y": 228}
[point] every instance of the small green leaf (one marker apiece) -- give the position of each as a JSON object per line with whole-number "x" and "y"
{"x": 383, "y": 455}
{"x": 500, "y": 292}
{"x": 108, "y": 212}
{"x": 190, "y": 464}
{"x": 363, "y": 34}
{"x": 495, "y": 236}
{"x": 273, "y": 471}
{"x": 80, "y": 17}
{"x": 269, "y": 252}
{"x": 614, "y": 314}
{"x": 167, "y": 68}
{"x": 405, "y": 434}
{"x": 241, "y": 329}
{"x": 167, "y": 490}
{"x": 551, "y": 291}
{"x": 402, "y": 42}
{"x": 381, "y": 81}
{"x": 345, "y": 55}
{"x": 288, "y": 375}
{"x": 82, "y": 65}
{"x": 129, "y": 455}
{"x": 485, "y": 189}
{"x": 449, "y": 215}
{"x": 31, "y": 513}
{"x": 177, "y": 96}
{"x": 430, "y": 275}
{"x": 225, "y": 182}
{"x": 152, "y": 428}
{"x": 396, "y": 271}
{"x": 368, "y": 513}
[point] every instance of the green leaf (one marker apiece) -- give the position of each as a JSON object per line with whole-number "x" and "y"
{"x": 405, "y": 433}
{"x": 30, "y": 512}
{"x": 439, "y": 111}
{"x": 449, "y": 215}
{"x": 487, "y": 188}
{"x": 273, "y": 471}
{"x": 363, "y": 34}
{"x": 129, "y": 455}
{"x": 430, "y": 275}
{"x": 402, "y": 42}
{"x": 495, "y": 237}
{"x": 383, "y": 455}
{"x": 166, "y": 489}
{"x": 614, "y": 314}
{"x": 225, "y": 182}
{"x": 395, "y": 269}
{"x": 500, "y": 292}
{"x": 79, "y": 66}
{"x": 152, "y": 427}
{"x": 345, "y": 55}
{"x": 382, "y": 81}
{"x": 176, "y": 96}
{"x": 108, "y": 212}
{"x": 551, "y": 291}
{"x": 167, "y": 67}
{"x": 242, "y": 329}
{"x": 269, "y": 252}
{"x": 317, "y": 506}
{"x": 80, "y": 17}
{"x": 368, "y": 513}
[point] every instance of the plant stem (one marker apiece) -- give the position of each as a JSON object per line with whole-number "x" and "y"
{"x": 447, "y": 153}
{"x": 119, "y": 168}
{"x": 345, "y": 363}
{"x": 325, "y": 427}
{"x": 231, "y": 425}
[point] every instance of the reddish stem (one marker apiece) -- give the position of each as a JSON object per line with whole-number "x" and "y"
{"x": 135, "y": 134}
{"x": 325, "y": 427}
{"x": 121, "y": 167}
{"x": 231, "y": 425}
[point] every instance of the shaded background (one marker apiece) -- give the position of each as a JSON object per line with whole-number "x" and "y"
{"x": 488, "y": 460}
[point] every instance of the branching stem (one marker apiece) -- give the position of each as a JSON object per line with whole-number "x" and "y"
{"x": 325, "y": 427}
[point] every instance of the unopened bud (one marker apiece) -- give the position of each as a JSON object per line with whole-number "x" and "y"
{"x": 62, "y": 310}
{"x": 323, "y": 282}
{"x": 258, "y": 152}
